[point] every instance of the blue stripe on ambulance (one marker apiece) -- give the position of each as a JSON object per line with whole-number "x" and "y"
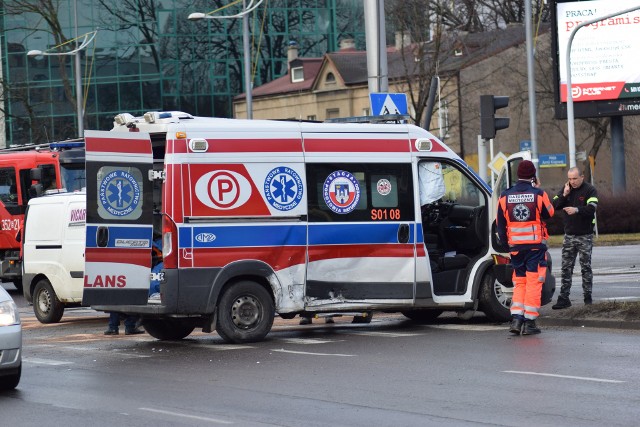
{"x": 115, "y": 232}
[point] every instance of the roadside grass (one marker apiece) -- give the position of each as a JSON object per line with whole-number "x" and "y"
{"x": 623, "y": 310}
{"x": 601, "y": 240}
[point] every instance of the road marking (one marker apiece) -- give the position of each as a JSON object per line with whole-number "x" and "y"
{"x": 384, "y": 334}
{"x": 193, "y": 417}
{"x": 307, "y": 341}
{"x": 37, "y": 361}
{"x": 564, "y": 376}
{"x": 619, "y": 298}
{"x": 477, "y": 328}
{"x": 223, "y": 347}
{"x": 282, "y": 350}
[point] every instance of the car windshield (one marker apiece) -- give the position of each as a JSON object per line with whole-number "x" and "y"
{"x": 73, "y": 176}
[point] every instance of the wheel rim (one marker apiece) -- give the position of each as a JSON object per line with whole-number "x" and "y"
{"x": 44, "y": 302}
{"x": 503, "y": 294}
{"x": 245, "y": 311}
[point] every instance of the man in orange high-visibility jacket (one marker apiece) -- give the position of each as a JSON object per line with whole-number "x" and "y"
{"x": 522, "y": 210}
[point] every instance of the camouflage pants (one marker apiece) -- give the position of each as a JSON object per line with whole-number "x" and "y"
{"x": 573, "y": 246}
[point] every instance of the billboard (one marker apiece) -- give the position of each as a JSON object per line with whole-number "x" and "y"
{"x": 605, "y": 59}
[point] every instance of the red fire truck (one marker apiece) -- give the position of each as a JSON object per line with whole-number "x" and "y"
{"x": 28, "y": 172}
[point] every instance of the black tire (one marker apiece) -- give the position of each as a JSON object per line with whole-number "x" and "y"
{"x": 168, "y": 329}
{"x": 245, "y": 313}
{"x": 363, "y": 319}
{"x": 422, "y": 316}
{"x": 18, "y": 284}
{"x": 9, "y": 382}
{"x": 495, "y": 301}
{"x": 46, "y": 306}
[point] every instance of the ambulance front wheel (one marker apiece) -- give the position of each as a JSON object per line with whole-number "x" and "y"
{"x": 495, "y": 299}
{"x": 46, "y": 306}
{"x": 245, "y": 312}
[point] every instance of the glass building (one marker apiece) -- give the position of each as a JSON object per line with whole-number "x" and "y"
{"x": 148, "y": 56}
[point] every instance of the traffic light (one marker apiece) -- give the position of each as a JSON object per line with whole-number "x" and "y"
{"x": 489, "y": 123}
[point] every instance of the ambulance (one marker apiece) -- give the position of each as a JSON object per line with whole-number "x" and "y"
{"x": 261, "y": 217}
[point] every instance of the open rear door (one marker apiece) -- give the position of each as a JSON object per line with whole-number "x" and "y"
{"x": 119, "y": 218}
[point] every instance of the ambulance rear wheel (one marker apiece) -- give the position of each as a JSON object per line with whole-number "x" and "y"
{"x": 245, "y": 313}
{"x": 422, "y": 316}
{"x": 168, "y": 329}
{"x": 495, "y": 299}
{"x": 46, "y": 306}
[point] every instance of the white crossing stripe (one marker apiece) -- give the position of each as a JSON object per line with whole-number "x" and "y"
{"x": 37, "y": 361}
{"x": 571, "y": 377}
{"x": 385, "y": 334}
{"x": 307, "y": 341}
{"x": 476, "y": 328}
{"x": 193, "y": 417}
{"x": 282, "y": 350}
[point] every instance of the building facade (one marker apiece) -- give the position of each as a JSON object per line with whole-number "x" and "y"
{"x": 148, "y": 56}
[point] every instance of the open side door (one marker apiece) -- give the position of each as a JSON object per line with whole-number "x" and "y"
{"x": 506, "y": 178}
{"x": 119, "y": 229}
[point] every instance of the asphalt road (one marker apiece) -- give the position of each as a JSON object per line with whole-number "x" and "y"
{"x": 389, "y": 373}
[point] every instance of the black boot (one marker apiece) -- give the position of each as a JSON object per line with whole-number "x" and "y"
{"x": 563, "y": 302}
{"x": 530, "y": 328}
{"x": 587, "y": 299}
{"x": 516, "y": 325}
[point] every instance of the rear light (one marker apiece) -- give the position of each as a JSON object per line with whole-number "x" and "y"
{"x": 169, "y": 243}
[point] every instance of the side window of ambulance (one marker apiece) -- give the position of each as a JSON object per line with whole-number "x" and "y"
{"x": 119, "y": 193}
{"x": 360, "y": 192}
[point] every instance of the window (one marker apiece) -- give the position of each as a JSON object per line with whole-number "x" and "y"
{"x": 312, "y": 117}
{"x": 333, "y": 113}
{"x": 297, "y": 75}
{"x": 8, "y": 187}
{"x": 445, "y": 182}
{"x": 330, "y": 79}
{"x": 360, "y": 192}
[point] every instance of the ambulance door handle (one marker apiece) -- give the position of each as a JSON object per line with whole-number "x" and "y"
{"x": 403, "y": 233}
{"x": 102, "y": 236}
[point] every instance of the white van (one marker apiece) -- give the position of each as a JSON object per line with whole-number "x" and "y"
{"x": 53, "y": 252}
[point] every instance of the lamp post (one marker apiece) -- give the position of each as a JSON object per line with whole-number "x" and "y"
{"x": 246, "y": 9}
{"x": 87, "y": 39}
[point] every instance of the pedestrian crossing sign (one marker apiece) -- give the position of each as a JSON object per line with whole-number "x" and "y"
{"x": 388, "y": 103}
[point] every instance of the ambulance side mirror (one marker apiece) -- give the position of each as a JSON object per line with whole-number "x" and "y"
{"x": 497, "y": 245}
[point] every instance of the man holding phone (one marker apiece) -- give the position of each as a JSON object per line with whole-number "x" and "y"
{"x": 579, "y": 201}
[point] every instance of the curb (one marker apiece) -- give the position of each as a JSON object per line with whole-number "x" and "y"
{"x": 590, "y": 323}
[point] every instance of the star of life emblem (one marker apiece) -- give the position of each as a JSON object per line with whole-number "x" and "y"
{"x": 521, "y": 212}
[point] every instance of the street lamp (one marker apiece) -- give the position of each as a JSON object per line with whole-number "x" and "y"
{"x": 246, "y": 9}
{"x": 87, "y": 39}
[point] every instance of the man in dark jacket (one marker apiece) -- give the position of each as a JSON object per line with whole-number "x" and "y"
{"x": 522, "y": 211}
{"x": 579, "y": 201}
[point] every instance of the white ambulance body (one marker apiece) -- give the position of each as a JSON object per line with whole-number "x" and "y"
{"x": 261, "y": 217}
{"x": 53, "y": 254}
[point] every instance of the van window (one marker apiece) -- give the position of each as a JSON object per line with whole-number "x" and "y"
{"x": 8, "y": 187}
{"x": 119, "y": 193}
{"x": 360, "y": 192}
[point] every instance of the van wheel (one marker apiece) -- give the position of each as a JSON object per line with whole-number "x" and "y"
{"x": 245, "y": 313}
{"x": 46, "y": 306}
{"x": 168, "y": 329}
{"x": 495, "y": 299}
{"x": 18, "y": 284}
{"x": 422, "y": 316}
{"x": 9, "y": 382}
